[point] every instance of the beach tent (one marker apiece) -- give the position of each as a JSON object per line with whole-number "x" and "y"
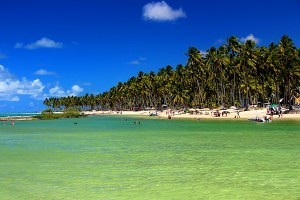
{"x": 273, "y": 105}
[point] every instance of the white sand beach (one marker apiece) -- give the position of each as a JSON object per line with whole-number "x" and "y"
{"x": 207, "y": 114}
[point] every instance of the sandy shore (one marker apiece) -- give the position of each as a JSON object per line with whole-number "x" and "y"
{"x": 203, "y": 115}
{"x": 17, "y": 118}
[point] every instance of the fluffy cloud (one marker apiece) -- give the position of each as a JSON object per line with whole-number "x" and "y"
{"x": 250, "y": 37}
{"x": 4, "y": 73}
{"x": 33, "y": 88}
{"x": 58, "y": 91}
{"x": 11, "y": 88}
{"x": 43, "y": 72}
{"x": 135, "y": 62}
{"x": 161, "y": 11}
{"x": 75, "y": 90}
{"x": 138, "y": 61}
{"x": 42, "y": 43}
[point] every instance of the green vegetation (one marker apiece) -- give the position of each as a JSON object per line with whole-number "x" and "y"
{"x": 71, "y": 113}
{"x": 234, "y": 74}
{"x": 68, "y": 113}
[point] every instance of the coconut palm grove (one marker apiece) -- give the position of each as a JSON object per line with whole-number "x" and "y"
{"x": 233, "y": 74}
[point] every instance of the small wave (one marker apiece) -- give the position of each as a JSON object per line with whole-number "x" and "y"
{"x": 26, "y": 114}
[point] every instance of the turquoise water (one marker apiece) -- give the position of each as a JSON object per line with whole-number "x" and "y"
{"x": 108, "y": 157}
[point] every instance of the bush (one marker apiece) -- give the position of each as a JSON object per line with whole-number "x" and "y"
{"x": 71, "y": 113}
{"x": 48, "y": 114}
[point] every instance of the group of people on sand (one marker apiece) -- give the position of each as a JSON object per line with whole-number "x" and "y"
{"x": 217, "y": 113}
{"x": 275, "y": 111}
{"x": 267, "y": 118}
{"x": 170, "y": 112}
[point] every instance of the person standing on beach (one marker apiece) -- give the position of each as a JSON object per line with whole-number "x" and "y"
{"x": 279, "y": 112}
{"x": 238, "y": 114}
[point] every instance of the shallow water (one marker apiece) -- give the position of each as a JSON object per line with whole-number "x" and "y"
{"x": 109, "y": 157}
{"x": 28, "y": 114}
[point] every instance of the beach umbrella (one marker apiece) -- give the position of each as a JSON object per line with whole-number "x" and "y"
{"x": 274, "y": 106}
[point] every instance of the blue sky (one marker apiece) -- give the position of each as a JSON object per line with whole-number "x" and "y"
{"x": 54, "y": 48}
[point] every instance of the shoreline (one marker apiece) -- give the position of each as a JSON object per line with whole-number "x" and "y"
{"x": 205, "y": 115}
{"x": 17, "y": 118}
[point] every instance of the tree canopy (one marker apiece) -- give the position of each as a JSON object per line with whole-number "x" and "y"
{"x": 233, "y": 74}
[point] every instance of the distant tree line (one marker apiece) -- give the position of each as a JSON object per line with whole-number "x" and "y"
{"x": 234, "y": 74}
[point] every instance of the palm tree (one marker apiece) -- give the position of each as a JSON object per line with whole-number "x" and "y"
{"x": 247, "y": 59}
{"x": 263, "y": 73}
{"x": 234, "y": 48}
{"x": 47, "y": 102}
{"x": 224, "y": 75}
{"x": 197, "y": 72}
{"x": 287, "y": 57}
{"x": 217, "y": 61}
{"x": 180, "y": 89}
{"x": 163, "y": 80}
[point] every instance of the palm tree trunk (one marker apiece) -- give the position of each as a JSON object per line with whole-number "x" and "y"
{"x": 289, "y": 94}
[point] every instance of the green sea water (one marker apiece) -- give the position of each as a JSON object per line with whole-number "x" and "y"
{"x": 109, "y": 157}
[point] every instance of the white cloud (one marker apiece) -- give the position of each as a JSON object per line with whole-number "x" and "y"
{"x": 4, "y": 73}
{"x": 138, "y": 61}
{"x": 135, "y": 62}
{"x": 58, "y": 91}
{"x": 43, "y": 72}
{"x": 161, "y": 11}
{"x": 33, "y": 88}
{"x": 41, "y": 43}
{"x": 5, "y": 97}
{"x": 76, "y": 90}
{"x": 250, "y": 37}
{"x": 11, "y": 88}
{"x": 16, "y": 98}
